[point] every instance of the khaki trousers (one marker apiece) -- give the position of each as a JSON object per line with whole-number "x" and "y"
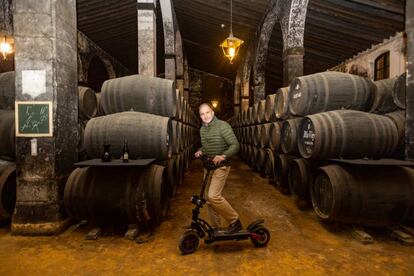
{"x": 216, "y": 203}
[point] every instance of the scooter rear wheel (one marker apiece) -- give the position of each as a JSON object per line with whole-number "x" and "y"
{"x": 262, "y": 237}
{"x": 189, "y": 242}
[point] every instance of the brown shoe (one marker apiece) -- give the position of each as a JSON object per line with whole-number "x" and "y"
{"x": 234, "y": 227}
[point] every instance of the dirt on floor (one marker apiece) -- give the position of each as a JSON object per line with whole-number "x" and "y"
{"x": 300, "y": 244}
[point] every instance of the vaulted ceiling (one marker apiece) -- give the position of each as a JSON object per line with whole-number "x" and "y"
{"x": 335, "y": 30}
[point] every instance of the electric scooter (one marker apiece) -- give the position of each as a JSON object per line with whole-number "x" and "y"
{"x": 200, "y": 229}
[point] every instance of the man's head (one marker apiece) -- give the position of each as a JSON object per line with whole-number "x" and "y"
{"x": 206, "y": 113}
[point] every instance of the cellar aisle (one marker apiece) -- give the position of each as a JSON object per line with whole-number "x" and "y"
{"x": 299, "y": 243}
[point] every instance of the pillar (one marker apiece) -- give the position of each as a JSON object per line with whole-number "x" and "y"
{"x": 179, "y": 62}
{"x": 147, "y": 38}
{"x": 169, "y": 39}
{"x": 45, "y": 44}
{"x": 292, "y": 64}
{"x": 409, "y": 127}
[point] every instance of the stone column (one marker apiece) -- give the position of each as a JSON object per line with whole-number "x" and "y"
{"x": 45, "y": 41}
{"x": 169, "y": 39}
{"x": 6, "y": 17}
{"x": 179, "y": 62}
{"x": 409, "y": 131}
{"x": 147, "y": 38}
{"x": 292, "y": 64}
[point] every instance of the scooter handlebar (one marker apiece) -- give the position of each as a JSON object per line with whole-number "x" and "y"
{"x": 209, "y": 165}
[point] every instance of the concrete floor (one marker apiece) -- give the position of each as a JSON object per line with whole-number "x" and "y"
{"x": 300, "y": 244}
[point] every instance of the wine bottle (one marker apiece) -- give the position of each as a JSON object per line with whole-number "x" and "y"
{"x": 106, "y": 156}
{"x": 125, "y": 154}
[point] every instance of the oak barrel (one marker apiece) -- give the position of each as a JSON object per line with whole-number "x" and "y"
{"x": 7, "y": 189}
{"x": 289, "y": 134}
{"x": 300, "y": 178}
{"x": 87, "y": 103}
{"x": 270, "y": 114}
{"x": 148, "y": 135}
{"x": 261, "y": 109}
{"x": 255, "y": 115}
{"x": 265, "y": 135}
{"x": 364, "y": 195}
{"x": 398, "y": 92}
{"x": 117, "y": 195}
{"x": 7, "y": 90}
{"x": 274, "y": 136}
{"x": 256, "y": 134}
{"x": 7, "y": 134}
{"x": 329, "y": 91}
{"x": 398, "y": 117}
{"x": 347, "y": 134}
{"x": 270, "y": 165}
{"x": 141, "y": 93}
{"x": 282, "y": 162}
{"x": 383, "y": 101}
{"x": 282, "y": 103}
{"x": 99, "y": 111}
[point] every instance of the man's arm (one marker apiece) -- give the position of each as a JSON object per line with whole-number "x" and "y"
{"x": 231, "y": 140}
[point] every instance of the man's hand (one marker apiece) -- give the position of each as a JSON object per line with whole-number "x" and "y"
{"x": 198, "y": 154}
{"x": 218, "y": 159}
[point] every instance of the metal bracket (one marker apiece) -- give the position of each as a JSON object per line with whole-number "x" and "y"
{"x": 402, "y": 237}
{"x": 132, "y": 232}
{"x": 94, "y": 234}
{"x": 74, "y": 227}
{"x": 360, "y": 235}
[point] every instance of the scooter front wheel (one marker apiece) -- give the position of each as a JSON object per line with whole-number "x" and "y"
{"x": 260, "y": 237}
{"x": 189, "y": 242}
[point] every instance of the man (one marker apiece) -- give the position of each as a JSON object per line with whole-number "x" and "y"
{"x": 218, "y": 142}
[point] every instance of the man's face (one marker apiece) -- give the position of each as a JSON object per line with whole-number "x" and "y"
{"x": 206, "y": 114}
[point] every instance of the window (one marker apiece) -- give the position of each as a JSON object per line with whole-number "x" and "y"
{"x": 382, "y": 66}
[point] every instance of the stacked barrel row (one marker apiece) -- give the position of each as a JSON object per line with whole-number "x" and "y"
{"x": 156, "y": 122}
{"x": 7, "y": 145}
{"x": 325, "y": 116}
{"x": 7, "y": 130}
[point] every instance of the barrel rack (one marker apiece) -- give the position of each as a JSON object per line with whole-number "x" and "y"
{"x": 133, "y": 229}
{"x": 400, "y": 233}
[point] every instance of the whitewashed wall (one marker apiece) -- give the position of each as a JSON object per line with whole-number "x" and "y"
{"x": 364, "y": 63}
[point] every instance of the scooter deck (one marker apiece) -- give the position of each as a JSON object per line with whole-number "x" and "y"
{"x": 220, "y": 235}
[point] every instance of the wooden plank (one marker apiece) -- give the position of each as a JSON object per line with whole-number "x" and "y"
{"x": 390, "y": 6}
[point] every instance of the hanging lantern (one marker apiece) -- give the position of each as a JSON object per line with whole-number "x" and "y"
{"x": 231, "y": 44}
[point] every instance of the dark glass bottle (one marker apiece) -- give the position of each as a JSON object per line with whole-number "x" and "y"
{"x": 106, "y": 156}
{"x": 125, "y": 152}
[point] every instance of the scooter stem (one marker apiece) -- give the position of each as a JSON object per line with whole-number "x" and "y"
{"x": 203, "y": 187}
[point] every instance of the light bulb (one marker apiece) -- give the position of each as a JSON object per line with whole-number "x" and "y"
{"x": 232, "y": 52}
{"x": 5, "y": 49}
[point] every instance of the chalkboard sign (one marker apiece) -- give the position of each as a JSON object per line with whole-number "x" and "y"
{"x": 34, "y": 119}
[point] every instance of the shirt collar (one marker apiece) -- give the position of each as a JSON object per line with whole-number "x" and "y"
{"x": 212, "y": 122}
